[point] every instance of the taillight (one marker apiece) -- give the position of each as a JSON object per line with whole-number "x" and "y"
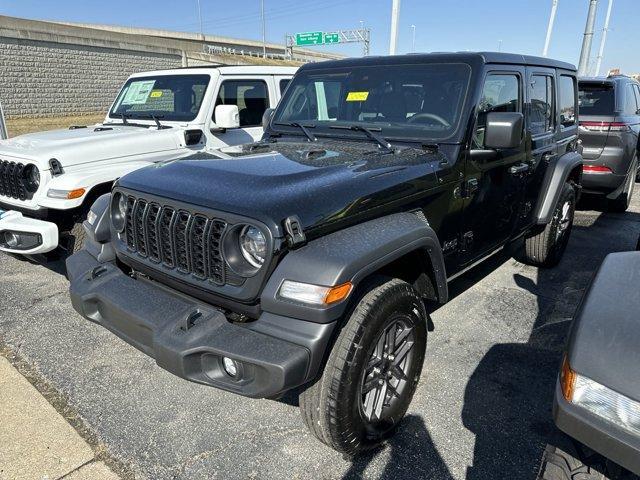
{"x": 595, "y": 169}
{"x": 605, "y": 126}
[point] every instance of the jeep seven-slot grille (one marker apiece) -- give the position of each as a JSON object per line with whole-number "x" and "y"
{"x": 190, "y": 243}
{"x": 12, "y": 182}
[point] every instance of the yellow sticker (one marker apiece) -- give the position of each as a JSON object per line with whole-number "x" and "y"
{"x": 357, "y": 96}
{"x": 156, "y": 94}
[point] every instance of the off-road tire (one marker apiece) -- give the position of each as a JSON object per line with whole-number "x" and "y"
{"x": 621, "y": 204}
{"x": 331, "y": 407}
{"x": 577, "y": 462}
{"x": 546, "y": 249}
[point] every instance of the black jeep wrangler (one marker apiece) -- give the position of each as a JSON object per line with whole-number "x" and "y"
{"x": 305, "y": 260}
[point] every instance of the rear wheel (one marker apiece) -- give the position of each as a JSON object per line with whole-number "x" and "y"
{"x": 547, "y": 247}
{"x": 372, "y": 371}
{"x": 621, "y": 204}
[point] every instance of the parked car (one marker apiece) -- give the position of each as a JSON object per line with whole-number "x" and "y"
{"x": 609, "y": 128}
{"x": 49, "y": 180}
{"x": 305, "y": 259}
{"x": 597, "y": 399}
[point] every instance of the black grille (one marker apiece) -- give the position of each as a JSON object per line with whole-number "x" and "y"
{"x": 190, "y": 243}
{"x": 12, "y": 182}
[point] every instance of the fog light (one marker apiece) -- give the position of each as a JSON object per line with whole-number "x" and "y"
{"x": 230, "y": 366}
{"x": 11, "y": 240}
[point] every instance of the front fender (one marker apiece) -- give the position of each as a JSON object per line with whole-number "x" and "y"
{"x": 86, "y": 178}
{"x": 556, "y": 176}
{"x": 352, "y": 254}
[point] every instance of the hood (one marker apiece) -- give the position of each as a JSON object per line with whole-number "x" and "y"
{"x": 318, "y": 184}
{"x": 91, "y": 144}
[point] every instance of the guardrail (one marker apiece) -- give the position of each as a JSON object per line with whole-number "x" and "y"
{"x": 216, "y": 49}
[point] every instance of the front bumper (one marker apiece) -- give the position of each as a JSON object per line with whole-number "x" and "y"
{"x": 190, "y": 338}
{"x": 596, "y": 433}
{"x": 43, "y": 233}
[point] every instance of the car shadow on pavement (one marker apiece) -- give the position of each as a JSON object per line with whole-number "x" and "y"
{"x": 508, "y": 398}
{"x": 56, "y": 265}
{"x": 412, "y": 455}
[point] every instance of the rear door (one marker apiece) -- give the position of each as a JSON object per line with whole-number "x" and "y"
{"x": 493, "y": 186}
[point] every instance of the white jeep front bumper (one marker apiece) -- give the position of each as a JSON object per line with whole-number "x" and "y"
{"x": 27, "y": 236}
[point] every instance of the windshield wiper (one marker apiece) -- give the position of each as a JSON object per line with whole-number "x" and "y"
{"x": 124, "y": 118}
{"x": 304, "y": 128}
{"x": 155, "y": 119}
{"x": 369, "y": 132}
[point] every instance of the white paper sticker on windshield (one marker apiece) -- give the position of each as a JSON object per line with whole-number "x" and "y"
{"x": 138, "y": 92}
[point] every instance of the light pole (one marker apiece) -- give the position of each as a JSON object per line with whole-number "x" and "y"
{"x": 499, "y": 45}
{"x": 413, "y": 39}
{"x": 395, "y": 15}
{"x": 552, "y": 19}
{"x": 604, "y": 38}
{"x": 200, "y": 20}
{"x": 583, "y": 66}
{"x": 264, "y": 30}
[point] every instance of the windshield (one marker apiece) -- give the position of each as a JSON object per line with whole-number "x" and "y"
{"x": 421, "y": 102}
{"x": 169, "y": 97}
{"x": 596, "y": 99}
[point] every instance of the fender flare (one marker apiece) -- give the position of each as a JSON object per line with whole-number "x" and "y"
{"x": 352, "y": 254}
{"x": 556, "y": 176}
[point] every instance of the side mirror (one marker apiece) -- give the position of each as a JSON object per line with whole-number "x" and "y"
{"x": 266, "y": 117}
{"x": 227, "y": 116}
{"x": 503, "y": 130}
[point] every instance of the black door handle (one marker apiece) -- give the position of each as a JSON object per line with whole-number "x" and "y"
{"x": 520, "y": 168}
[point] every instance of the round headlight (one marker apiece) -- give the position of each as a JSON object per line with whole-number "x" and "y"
{"x": 31, "y": 176}
{"x": 118, "y": 211}
{"x": 253, "y": 245}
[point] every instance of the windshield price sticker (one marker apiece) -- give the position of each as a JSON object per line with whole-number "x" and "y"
{"x": 138, "y": 92}
{"x": 357, "y": 96}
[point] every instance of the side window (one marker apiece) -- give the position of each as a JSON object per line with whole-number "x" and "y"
{"x": 500, "y": 93}
{"x": 636, "y": 89}
{"x": 251, "y": 97}
{"x": 567, "y": 101}
{"x": 630, "y": 104}
{"x": 541, "y": 113}
{"x": 283, "y": 84}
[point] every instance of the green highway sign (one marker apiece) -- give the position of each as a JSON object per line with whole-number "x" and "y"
{"x": 309, "y": 38}
{"x": 316, "y": 38}
{"x": 331, "y": 38}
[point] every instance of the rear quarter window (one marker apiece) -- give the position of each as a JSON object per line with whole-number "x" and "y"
{"x": 567, "y": 101}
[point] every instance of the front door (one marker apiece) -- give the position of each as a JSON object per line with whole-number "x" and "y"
{"x": 252, "y": 96}
{"x": 494, "y": 185}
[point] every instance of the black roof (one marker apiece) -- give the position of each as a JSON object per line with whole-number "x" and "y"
{"x": 464, "y": 57}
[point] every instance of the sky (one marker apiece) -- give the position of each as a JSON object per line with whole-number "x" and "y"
{"x": 517, "y": 26}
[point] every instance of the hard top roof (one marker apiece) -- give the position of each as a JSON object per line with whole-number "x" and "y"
{"x": 223, "y": 69}
{"x": 610, "y": 80}
{"x": 446, "y": 57}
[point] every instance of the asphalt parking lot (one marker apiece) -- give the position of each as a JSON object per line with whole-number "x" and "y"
{"x": 482, "y": 410}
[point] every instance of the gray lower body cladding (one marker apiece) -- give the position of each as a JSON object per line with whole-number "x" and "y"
{"x": 190, "y": 338}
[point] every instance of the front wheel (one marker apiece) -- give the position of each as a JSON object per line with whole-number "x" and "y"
{"x": 575, "y": 461}
{"x": 372, "y": 371}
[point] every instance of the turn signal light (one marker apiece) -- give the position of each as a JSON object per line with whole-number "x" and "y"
{"x": 338, "y": 293}
{"x": 567, "y": 379}
{"x": 77, "y": 193}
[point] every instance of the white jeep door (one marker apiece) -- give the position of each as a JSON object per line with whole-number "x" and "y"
{"x": 253, "y": 95}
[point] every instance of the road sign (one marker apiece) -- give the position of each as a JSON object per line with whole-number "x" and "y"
{"x": 331, "y": 38}
{"x": 309, "y": 38}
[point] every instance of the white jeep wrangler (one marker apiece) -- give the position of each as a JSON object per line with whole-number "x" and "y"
{"x": 48, "y": 180}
